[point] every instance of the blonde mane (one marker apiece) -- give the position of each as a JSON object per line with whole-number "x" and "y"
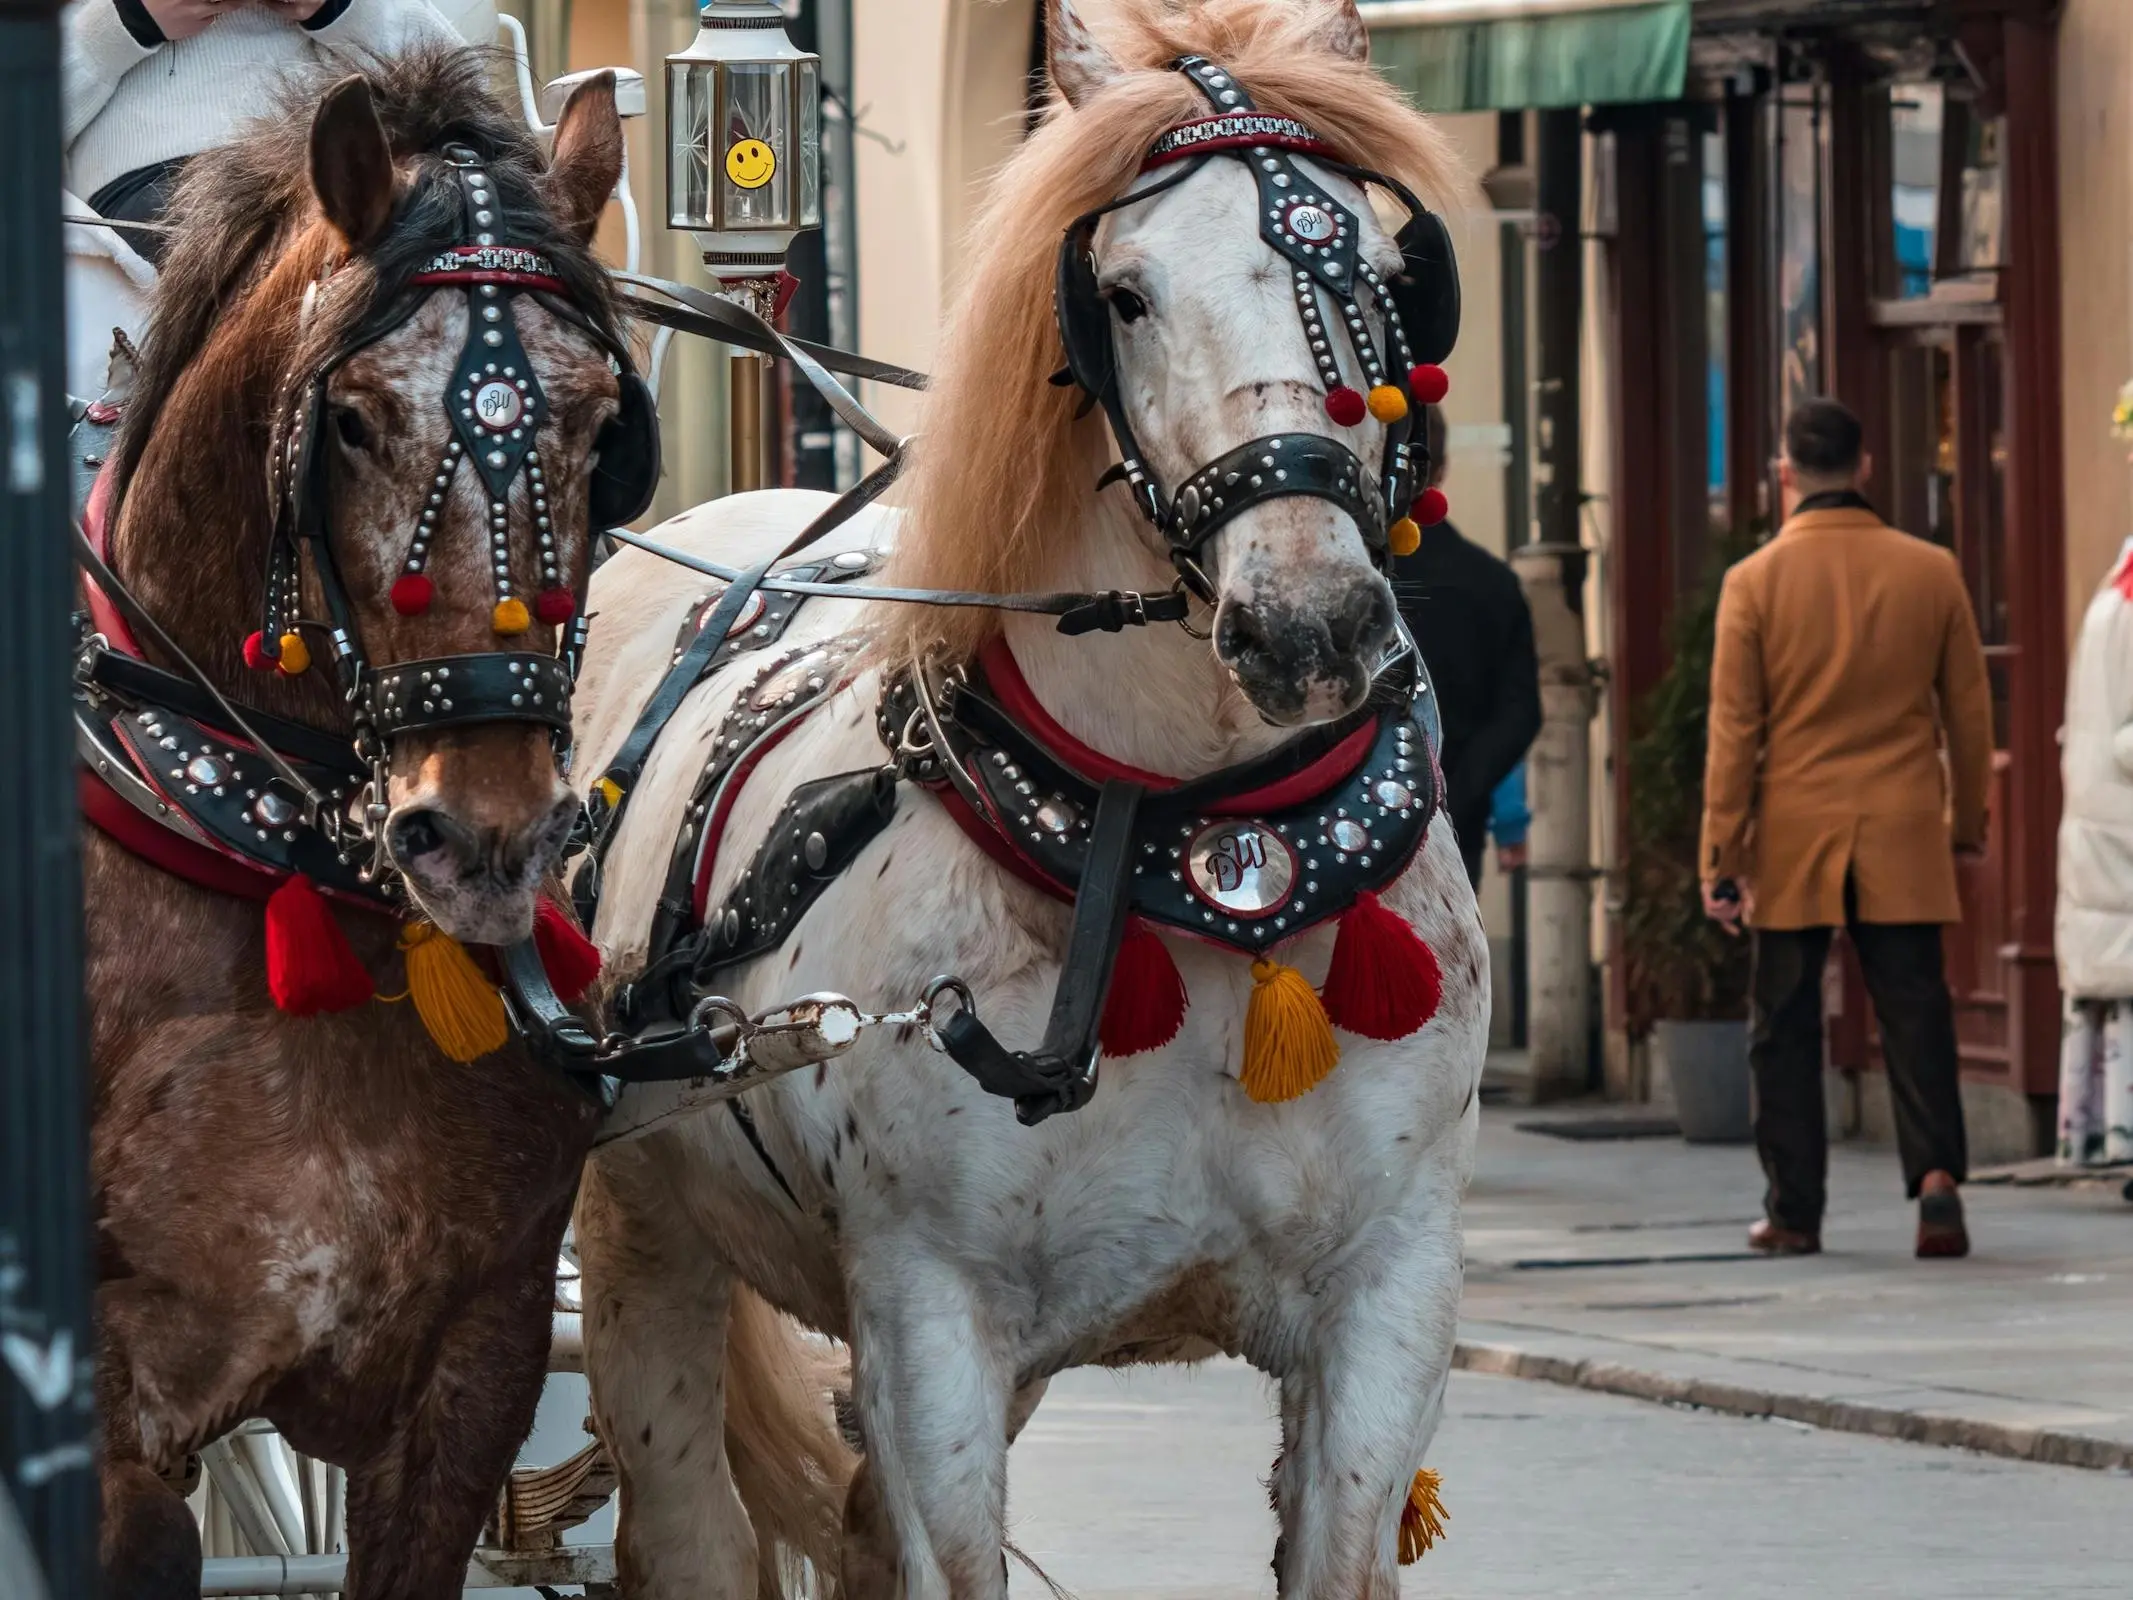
{"x": 1003, "y": 464}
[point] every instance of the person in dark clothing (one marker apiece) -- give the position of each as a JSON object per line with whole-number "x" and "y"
{"x": 1470, "y": 620}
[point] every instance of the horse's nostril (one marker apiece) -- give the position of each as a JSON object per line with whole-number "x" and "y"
{"x": 421, "y": 832}
{"x": 1363, "y": 623}
{"x": 1239, "y": 630}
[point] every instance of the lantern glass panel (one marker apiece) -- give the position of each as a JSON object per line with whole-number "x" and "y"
{"x": 756, "y": 147}
{"x": 808, "y": 94}
{"x": 690, "y": 92}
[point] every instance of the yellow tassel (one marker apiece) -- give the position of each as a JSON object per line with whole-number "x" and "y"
{"x": 1422, "y": 1519}
{"x": 510, "y": 616}
{"x": 1288, "y": 1043}
{"x": 1386, "y": 403}
{"x": 1404, "y": 537}
{"x": 295, "y": 654}
{"x": 457, "y": 1003}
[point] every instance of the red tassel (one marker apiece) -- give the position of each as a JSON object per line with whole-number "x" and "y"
{"x": 1383, "y": 982}
{"x": 1146, "y": 1006}
{"x": 571, "y": 960}
{"x": 311, "y": 967}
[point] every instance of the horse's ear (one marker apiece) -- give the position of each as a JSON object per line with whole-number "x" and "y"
{"x": 588, "y": 155}
{"x": 1343, "y": 32}
{"x": 351, "y": 163}
{"x": 1077, "y": 64}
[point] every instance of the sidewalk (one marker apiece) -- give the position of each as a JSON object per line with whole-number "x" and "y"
{"x": 1620, "y": 1266}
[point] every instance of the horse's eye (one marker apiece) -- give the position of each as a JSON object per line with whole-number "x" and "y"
{"x": 349, "y": 425}
{"x": 1129, "y": 306}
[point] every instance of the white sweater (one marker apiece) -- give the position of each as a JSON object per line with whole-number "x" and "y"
{"x": 129, "y": 105}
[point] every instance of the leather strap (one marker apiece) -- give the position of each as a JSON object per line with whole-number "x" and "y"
{"x": 1078, "y": 611}
{"x": 1060, "y": 1074}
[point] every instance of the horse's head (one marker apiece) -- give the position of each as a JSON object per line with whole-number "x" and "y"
{"x": 1232, "y": 323}
{"x": 447, "y": 453}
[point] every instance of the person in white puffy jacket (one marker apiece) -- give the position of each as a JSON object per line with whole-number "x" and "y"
{"x": 148, "y": 83}
{"x": 2094, "y": 927}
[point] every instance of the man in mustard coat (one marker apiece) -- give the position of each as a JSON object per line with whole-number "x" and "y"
{"x": 1850, "y": 745}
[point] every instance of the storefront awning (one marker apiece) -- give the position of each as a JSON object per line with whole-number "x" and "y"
{"x": 1506, "y": 55}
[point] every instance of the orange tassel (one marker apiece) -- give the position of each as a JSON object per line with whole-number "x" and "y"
{"x": 1422, "y": 1519}
{"x": 1384, "y": 982}
{"x": 311, "y": 967}
{"x": 1146, "y": 1005}
{"x": 1288, "y": 1043}
{"x": 571, "y": 960}
{"x": 463, "y": 1011}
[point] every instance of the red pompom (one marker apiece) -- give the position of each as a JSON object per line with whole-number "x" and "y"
{"x": 1383, "y": 982}
{"x": 1429, "y": 383}
{"x": 255, "y": 652}
{"x": 1431, "y": 507}
{"x": 412, "y": 593}
{"x": 571, "y": 960}
{"x": 555, "y": 606}
{"x": 1146, "y": 1005}
{"x": 311, "y": 967}
{"x": 1345, "y": 406}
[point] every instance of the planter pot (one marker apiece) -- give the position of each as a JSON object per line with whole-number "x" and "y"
{"x": 1707, "y": 1065}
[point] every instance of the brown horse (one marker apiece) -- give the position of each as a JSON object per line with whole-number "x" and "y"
{"x": 323, "y": 1221}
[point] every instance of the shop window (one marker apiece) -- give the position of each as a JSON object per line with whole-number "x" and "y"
{"x": 1714, "y": 300}
{"x": 1800, "y": 125}
{"x": 1915, "y": 123}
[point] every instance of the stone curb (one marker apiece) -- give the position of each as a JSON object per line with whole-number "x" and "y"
{"x": 2053, "y": 1446}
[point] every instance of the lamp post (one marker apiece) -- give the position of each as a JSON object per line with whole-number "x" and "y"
{"x": 744, "y": 174}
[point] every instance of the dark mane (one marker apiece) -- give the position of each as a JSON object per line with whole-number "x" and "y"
{"x": 238, "y": 208}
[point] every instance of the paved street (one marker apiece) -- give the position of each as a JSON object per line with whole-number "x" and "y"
{"x": 1631, "y": 1253}
{"x": 1147, "y": 1487}
{"x": 1621, "y": 1261}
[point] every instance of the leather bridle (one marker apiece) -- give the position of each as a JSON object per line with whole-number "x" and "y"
{"x": 1319, "y": 238}
{"x": 495, "y": 405}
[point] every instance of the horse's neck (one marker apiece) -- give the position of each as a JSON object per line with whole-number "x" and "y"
{"x": 1152, "y": 697}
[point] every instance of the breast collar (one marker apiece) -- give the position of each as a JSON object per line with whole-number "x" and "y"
{"x": 1245, "y": 857}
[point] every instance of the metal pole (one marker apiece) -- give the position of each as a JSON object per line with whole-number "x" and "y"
{"x": 47, "y": 1354}
{"x": 745, "y": 406}
{"x": 1558, "y": 872}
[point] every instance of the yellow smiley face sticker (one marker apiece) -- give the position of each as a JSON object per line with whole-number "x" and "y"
{"x": 750, "y": 163}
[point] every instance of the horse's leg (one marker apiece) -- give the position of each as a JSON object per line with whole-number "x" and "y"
{"x": 150, "y": 1544}
{"x": 656, "y": 1310}
{"x": 933, "y": 1404}
{"x": 416, "y": 1508}
{"x": 870, "y": 1543}
{"x": 170, "y": 1373}
{"x": 1359, "y": 1408}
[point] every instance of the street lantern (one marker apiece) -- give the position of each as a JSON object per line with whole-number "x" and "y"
{"x": 744, "y": 164}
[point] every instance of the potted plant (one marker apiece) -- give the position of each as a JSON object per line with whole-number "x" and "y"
{"x": 1687, "y": 980}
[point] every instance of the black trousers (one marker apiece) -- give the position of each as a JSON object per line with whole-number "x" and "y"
{"x": 1902, "y": 963}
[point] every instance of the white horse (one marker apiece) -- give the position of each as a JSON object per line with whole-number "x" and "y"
{"x": 967, "y": 1258}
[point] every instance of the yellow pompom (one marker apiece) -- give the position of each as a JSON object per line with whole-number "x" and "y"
{"x": 295, "y": 654}
{"x": 1387, "y": 404}
{"x": 1404, "y": 537}
{"x": 1288, "y": 1043}
{"x": 1422, "y": 1519}
{"x": 458, "y": 1004}
{"x": 511, "y": 616}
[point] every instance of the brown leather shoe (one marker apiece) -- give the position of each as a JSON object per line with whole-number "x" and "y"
{"x": 1767, "y": 1238}
{"x": 1941, "y": 1233}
